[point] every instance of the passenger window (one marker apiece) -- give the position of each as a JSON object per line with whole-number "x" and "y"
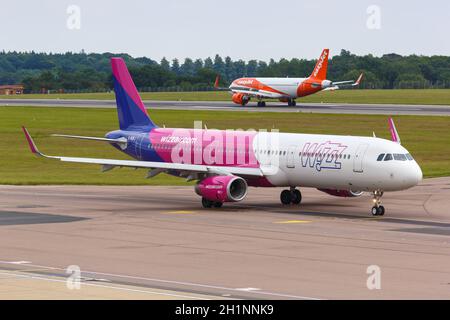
{"x": 380, "y": 157}
{"x": 388, "y": 157}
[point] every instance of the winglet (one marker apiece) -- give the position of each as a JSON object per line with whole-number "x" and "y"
{"x": 31, "y": 143}
{"x": 394, "y": 134}
{"x": 216, "y": 83}
{"x": 359, "y": 80}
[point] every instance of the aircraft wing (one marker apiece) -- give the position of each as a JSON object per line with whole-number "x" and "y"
{"x": 259, "y": 93}
{"x": 109, "y": 164}
{"x": 341, "y": 84}
{"x": 217, "y": 87}
{"x": 122, "y": 142}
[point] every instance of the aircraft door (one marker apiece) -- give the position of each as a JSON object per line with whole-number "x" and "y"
{"x": 359, "y": 157}
{"x": 139, "y": 145}
{"x": 290, "y": 161}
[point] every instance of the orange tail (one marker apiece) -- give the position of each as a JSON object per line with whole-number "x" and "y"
{"x": 320, "y": 70}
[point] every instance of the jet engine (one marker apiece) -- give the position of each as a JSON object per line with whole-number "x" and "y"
{"x": 342, "y": 193}
{"x": 222, "y": 188}
{"x": 240, "y": 98}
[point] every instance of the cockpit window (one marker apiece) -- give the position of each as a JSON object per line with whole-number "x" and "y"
{"x": 409, "y": 157}
{"x": 380, "y": 157}
{"x": 388, "y": 157}
{"x": 399, "y": 156}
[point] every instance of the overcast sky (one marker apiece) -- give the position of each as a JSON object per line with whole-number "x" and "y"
{"x": 242, "y": 29}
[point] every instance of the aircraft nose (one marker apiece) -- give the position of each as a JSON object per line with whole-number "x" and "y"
{"x": 414, "y": 174}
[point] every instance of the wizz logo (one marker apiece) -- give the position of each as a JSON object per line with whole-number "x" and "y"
{"x": 325, "y": 155}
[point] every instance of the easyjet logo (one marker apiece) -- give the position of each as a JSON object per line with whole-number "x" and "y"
{"x": 319, "y": 65}
{"x": 245, "y": 82}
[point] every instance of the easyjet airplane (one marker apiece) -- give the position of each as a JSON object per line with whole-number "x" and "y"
{"x": 285, "y": 89}
{"x": 225, "y": 163}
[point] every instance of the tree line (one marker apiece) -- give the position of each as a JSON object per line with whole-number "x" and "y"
{"x": 91, "y": 72}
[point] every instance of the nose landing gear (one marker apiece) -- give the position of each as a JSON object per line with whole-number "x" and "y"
{"x": 293, "y": 196}
{"x": 377, "y": 209}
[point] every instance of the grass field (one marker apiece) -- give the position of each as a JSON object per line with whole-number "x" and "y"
{"x": 406, "y": 96}
{"x": 427, "y": 138}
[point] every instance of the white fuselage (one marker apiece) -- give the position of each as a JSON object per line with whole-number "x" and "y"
{"x": 268, "y": 87}
{"x": 335, "y": 162}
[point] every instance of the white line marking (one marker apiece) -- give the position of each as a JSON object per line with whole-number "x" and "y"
{"x": 102, "y": 286}
{"x": 178, "y": 282}
{"x": 248, "y": 289}
{"x": 20, "y": 262}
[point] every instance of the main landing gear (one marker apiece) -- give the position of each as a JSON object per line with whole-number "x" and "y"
{"x": 292, "y": 103}
{"x": 377, "y": 209}
{"x": 292, "y": 195}
{"x": 261, "y": 104}
{"x": 209, "y": 204}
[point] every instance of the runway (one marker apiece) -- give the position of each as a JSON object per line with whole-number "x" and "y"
{"x": 158, "y": 243}
{"x": 391, "y": 109}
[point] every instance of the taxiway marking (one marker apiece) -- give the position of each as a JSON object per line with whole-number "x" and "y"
{"x": 264, "y": 293}
{"x": 292, "y": 221}
{"x": 181, "y": 212}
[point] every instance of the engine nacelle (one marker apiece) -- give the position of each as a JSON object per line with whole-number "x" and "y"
{"x": 240, "y": 98}
{"x": 342, "y": 193}
{"x": 222, "y": 188}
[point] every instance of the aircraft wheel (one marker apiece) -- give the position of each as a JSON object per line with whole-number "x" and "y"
{"x": 261, "y": 104}
{"x": 218, "y": 204}
{"x": 294, "y": 103}
{"x": 206, "y": 203}
{"x": 296, "y": 197}
{"x": 285, "y": 197}
{"x": 374, "y": 211}
{"x": 378, "y": 211}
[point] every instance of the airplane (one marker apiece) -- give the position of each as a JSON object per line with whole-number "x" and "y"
{"x": 285, "y": 89}
{"x": 225, "y": 162}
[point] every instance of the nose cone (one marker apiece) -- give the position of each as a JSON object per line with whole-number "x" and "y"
{"x": 419, "y": 174}
{"x": 414, "y": 174}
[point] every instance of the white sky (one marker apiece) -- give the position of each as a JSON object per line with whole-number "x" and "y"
{"x": 252, "y": 29}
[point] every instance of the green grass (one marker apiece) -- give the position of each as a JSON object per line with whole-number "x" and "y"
{"x": 406, "y": 96}
{"x": 427, "y": 138}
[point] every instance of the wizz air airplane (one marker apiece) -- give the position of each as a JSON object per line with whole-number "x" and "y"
{"x": 225, "y": 163}
{"x": 285, "y": 89}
